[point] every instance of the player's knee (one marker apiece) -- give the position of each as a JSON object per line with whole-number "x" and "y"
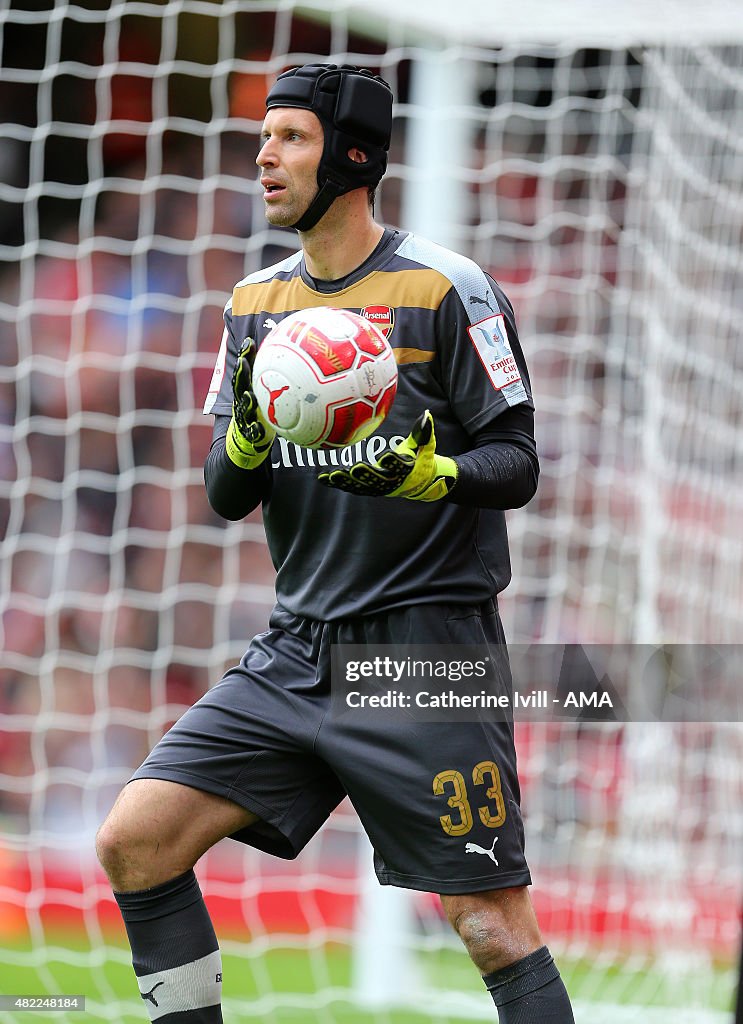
{"x": 497, "y": 928}
{"x": 110, "y": 847}
{"x": 486, "y": 937}
{"x": 124, "y": 852}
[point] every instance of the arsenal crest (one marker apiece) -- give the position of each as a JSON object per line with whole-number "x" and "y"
{"x": 382, "y": 316}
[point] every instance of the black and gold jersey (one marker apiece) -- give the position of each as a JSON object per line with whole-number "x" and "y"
{"x": 453, "y": 333}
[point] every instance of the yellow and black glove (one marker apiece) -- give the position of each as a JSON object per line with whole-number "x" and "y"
{"x": 249, "y": 437}
{"x": 411, "y": 470}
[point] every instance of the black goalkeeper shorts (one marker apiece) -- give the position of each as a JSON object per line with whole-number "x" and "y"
{"x": 439, "y": 800}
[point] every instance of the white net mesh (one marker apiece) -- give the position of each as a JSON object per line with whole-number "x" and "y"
{"x": 601, "y": 187}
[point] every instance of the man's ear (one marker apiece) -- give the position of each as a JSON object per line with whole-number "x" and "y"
{"x": 357, "y": 155}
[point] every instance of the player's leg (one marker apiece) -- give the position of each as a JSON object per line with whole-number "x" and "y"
{"x": 158, "y": 830}
{"x": 497, "y": 927}
{"x": 500, "y": 932}
{"x": 238, "y": 763}
{"x": 148, "y": 845}
{"x": 439, "y": 798}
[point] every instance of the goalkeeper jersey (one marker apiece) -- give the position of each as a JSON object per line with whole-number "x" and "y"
{"x": 452, "y": 329}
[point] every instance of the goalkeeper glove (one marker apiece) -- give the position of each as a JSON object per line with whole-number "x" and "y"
{"x": 249, "y": 437}
{"x": 411, "y": 470}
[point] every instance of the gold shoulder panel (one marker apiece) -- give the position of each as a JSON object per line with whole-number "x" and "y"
{"x": 422, "y": 289}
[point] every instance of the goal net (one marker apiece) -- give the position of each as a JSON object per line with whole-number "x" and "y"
{"x": 596, "y": 176}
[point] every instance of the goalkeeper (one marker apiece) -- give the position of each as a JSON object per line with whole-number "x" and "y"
{"x": 409, "y": 547}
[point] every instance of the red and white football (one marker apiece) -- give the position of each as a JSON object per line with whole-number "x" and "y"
{"x": 325, "y": 377}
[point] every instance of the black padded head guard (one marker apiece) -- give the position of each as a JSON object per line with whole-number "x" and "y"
{"x": 355, "y": 110}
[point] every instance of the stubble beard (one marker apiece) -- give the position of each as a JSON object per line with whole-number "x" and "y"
{"x": 277, "y": 219}
{"x": 286, "y": 217}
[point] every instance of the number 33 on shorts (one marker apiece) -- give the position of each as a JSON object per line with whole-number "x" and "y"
{"x": 452, "y": 782}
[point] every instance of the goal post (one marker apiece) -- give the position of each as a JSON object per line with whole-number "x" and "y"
{"x": 443, "y": 92}
{"x": 591, "y": 161}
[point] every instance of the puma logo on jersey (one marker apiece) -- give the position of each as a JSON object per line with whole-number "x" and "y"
{"x": 269, "y": 324}
{"x": 474, "y": 848}
{"x": 149, "y": 995}
{"x": 483, "y": 302}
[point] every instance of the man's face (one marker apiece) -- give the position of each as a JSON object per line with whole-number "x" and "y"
{"x": 292, "y": 144}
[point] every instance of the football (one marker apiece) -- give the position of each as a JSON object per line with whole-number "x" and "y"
{"x": 325, "y": 377}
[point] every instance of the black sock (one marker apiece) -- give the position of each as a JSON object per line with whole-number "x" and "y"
{"x": 530, "y": 991}
{"x": 174, "y": 951}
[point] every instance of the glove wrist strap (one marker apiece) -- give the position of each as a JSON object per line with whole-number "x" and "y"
{"x": 237, "y": 449}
